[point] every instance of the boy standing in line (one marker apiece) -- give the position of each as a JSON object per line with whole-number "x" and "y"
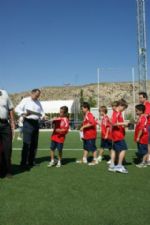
{"x": 61, "y": 127}
{"x": 106, "y": 136}
{"x": 118, "y": 137}
{"x": 89, "y": 135}
{"x": 143, "y": 99}
{"x": 141, "y": 135}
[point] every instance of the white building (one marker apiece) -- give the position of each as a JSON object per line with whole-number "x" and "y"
{"x": 54, "y": 106}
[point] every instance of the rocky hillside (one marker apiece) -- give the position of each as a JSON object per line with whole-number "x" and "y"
{"x": 108, "y": 93}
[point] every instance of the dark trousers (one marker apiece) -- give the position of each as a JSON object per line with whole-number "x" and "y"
{"x": 5, "y": 147}
{"x": 30, "y": 141}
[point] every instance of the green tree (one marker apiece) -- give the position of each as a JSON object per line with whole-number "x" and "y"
{"x": 81, "y": 97}
{"x": 92, "y": 102}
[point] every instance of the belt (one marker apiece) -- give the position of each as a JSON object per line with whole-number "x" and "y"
{"x": 3, "y": 121}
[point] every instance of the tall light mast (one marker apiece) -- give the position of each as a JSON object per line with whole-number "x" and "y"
{"x": 142, "y": 50}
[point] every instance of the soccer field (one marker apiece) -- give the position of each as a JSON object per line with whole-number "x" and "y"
{"x": 74, "y": 194}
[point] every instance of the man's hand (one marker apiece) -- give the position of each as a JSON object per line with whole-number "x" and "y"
{"x": 26, "y": 114}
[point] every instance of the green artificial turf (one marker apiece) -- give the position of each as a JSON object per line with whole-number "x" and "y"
{"x": 74, "y": 194}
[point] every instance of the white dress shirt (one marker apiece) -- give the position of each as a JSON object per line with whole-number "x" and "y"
{"x": 29, "y": 104}
{"x": 5, "y": 104}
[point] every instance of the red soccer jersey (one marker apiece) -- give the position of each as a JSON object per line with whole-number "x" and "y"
{"x": 141, "y": 125}
{"x": 118, "y": 132}
{"x": 106, "y": 124}
{"x": 90, "y": 132}
{"x": 60, "y": 123}
{"x": 147, "y": 111}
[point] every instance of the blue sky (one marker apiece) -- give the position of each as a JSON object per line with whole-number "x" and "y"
{"x": 54, "y": 42}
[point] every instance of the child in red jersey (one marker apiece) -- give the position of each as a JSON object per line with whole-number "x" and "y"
{"x": 61, "y": 127}
{"x": 114, "y": 105}
{"x": 141, "y": 135}
{"x": 143, "y": 99}
{"x": 118, "y": 137}
{"x": 89, "y": 135}
{"x": 106, "y": 136}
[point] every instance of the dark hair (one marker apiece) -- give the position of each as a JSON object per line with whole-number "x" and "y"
{"x": 123, "y": 103}
{"x": 86, "y": 105}
{"x": 35, "y": 90}
{"x": 140, "y": 107}
{"x": 115, "y": 103}
{"x": 103, "y": 109}
{"x": 65, "y": 110}
{"x": 144, "y": 94}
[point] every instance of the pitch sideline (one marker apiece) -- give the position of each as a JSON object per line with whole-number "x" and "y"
{"x": 65, "y": 149}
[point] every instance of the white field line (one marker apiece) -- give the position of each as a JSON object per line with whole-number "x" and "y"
{"x": 65, "y": 149}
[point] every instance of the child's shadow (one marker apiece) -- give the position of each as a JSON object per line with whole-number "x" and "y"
{"x": 42, "y": 159}
{"x": 65, "y": 161}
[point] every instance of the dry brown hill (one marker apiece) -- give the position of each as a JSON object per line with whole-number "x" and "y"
{"x": 108, "y": 93}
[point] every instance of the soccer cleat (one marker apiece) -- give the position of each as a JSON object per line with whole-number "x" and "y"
{"x": 99, "y": 159}
{"x": 111, "y": 169}
{"x": 109, "y": 162}
{"x": 93, "y": 163}
{"x": 51, "y": 163}
{"x": 141, "y": 165}
{"x": 121, "y": 169}
{"x": 58, "y": 165}
{"x": 148, "y": 163}
{"x": 81, "y": 161}
{"x": 19, "y": 138}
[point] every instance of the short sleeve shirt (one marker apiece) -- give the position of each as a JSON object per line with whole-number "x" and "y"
{"x": 90, "y": 132}
{"x": 141, "y": 125}
{"x": 105, "y": 124}
{"x": 5, "y": 104}
{"x": 118, "y": 132}
{"x": 60, "y": 123}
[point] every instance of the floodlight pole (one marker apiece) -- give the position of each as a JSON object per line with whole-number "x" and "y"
{"x": 98, "y": 91}
{"x": 133, "y": 84}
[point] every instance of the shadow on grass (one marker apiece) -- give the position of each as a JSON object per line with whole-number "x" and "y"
{"x": 138, "y": 158}
{"x": 66, "y": 161}
{"x": 42, "y": 159}
{"x": 47, "y": 159}
{"x": 16, "y": 169}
